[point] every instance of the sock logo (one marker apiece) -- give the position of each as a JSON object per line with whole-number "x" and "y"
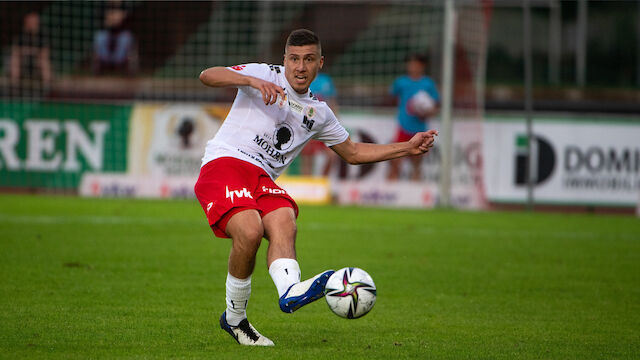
{"x": 232, "y": 194}
{"x": 233, "y": 304}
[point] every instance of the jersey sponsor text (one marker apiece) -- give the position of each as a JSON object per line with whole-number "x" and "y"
{"x": 270, "y": 150}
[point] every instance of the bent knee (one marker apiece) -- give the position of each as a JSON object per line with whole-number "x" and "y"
{"x": 281, "y": 228}
{"x": 249, "y": 232}
{"x": 245, "y": 226}
{"x": 285, "y": 223}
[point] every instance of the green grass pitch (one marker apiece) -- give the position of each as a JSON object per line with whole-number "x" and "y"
{"x": 132, "y": 279}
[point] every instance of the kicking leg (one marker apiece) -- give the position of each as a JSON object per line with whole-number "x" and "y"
{"x": 280, "y": 230}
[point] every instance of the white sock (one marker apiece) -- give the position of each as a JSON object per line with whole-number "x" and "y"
{"x": 284, "y": 272}
{"x": 238, "y": 292}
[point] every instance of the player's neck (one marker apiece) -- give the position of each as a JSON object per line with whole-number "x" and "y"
{"x": 295, "y": 92}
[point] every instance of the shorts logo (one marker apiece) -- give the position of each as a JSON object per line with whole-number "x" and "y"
{"x": 232, "y": 194}
{"x": 209, "y": 206}
{"x": 273, "y": 191}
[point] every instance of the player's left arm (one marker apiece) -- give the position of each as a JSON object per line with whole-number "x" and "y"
{"x": 363, "y": 153}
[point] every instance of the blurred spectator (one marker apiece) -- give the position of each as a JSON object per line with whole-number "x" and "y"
{"x": 114, "y": 46}
{"x": 418, "y": 100}
{"x": 323, "y": 89}
{"x": 30, "y": 64}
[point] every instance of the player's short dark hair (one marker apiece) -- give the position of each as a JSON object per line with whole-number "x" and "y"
{"x": 421, "y": 58}
{"x": 302, "y": 37}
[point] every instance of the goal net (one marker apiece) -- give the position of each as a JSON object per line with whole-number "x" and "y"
{"x": 75, "y": 74}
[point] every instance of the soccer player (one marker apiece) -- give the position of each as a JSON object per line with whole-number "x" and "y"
{"x": 418, "y": 101}
{"x": 271, "y": 119}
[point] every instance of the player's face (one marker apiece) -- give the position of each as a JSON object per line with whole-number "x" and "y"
{"x": 301, "y": 65}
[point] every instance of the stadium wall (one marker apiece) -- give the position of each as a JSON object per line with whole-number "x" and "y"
{"x": 154, "y": 150}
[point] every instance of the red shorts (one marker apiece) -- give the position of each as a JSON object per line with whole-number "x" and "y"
{"x": 402, "y": 135}
{"x": 227, "y": 186}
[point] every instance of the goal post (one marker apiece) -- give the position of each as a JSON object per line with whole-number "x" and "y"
{"x": 464, "y": 51}
{"x": 448, "y": 42}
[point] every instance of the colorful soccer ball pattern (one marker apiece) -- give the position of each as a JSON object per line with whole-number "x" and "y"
{"x": 350, "y": 293}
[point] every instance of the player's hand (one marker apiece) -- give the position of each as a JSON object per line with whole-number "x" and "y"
{"x": 268, "y": 90}
{"x": 422, "y": 142}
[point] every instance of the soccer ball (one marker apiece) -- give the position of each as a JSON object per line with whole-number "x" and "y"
{"x": 421, "y": 103}
{"x": 350, "y": 292}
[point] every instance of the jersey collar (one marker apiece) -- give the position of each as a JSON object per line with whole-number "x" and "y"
{"x": 291, "y": 92}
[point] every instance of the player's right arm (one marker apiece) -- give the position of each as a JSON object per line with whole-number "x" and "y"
{"x": 219, "y": 76}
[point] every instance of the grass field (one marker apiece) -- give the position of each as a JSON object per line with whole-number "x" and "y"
{"x": 86, "y": 279}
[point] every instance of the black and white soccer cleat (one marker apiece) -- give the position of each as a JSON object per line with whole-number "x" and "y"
{"x": 244, "y": 333}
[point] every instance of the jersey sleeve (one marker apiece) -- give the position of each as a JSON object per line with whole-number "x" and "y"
{"x": 333, "y": 133}
{"x": 260, "y": 71}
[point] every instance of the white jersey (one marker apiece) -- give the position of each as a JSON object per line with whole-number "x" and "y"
{"x": 271, "y": 136}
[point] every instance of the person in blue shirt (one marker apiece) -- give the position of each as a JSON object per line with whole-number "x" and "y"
{"x": 114, "y": 45}
{"x": 324, "y": 89}
{"x": 418, "y": 101}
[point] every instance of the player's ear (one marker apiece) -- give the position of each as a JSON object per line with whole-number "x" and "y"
{"x": 321, "y": 61}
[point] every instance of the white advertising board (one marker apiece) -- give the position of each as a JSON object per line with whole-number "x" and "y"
{"x": 400, "y": 194}
{"x": 370, "y": 180}
{"x": 304, "y": 190}
{"x": 169, "y": 139}
{"x": 576, "y": 162}
{"x": 136, "y": 186}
